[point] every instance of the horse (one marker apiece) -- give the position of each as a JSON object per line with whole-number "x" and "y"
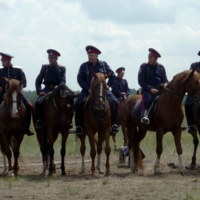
{"x": 168, "y": 116}
{"x": 121, "y": 122}
{"x": 12, "y": 124}
{"x": 57, "y": 112}
{"x": 97, "y": 118}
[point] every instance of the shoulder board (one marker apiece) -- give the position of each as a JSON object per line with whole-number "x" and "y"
{"x": 16, "y": 67}
{"x": 144, "y": 64}
{"x": 45, "y": 65}
{"x": 1, "y": 67}
{"x": 61, "y": 66}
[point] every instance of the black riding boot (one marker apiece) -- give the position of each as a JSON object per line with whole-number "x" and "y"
{"x": 29, "y": 132}
{"x": 144, "y": 118}
{"x": 114, "y": 123}
{"x": 78, "y": 122}
{"x": 190, "y": 119}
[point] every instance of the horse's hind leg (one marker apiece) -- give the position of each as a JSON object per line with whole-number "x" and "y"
{"x": 82, "y": 150}
{"x": 196, "y": 143}
{"x": 124, "y": 135}
{"x": 63, "y": 152}
{"x": 4, "y": 164}
{"x": 115, "y": 143}
{"x": 177, "y": 139}
{"x": 107, "y": 151}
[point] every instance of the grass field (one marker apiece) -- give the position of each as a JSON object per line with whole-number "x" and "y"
{"x": 121, "y": 184}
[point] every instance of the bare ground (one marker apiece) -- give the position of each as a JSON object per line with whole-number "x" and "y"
{"x": 121, "y": 184}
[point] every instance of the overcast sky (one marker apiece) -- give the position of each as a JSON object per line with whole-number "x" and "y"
{"x": 122, "y": 29}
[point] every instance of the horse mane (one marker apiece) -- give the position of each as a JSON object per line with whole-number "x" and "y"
{"x": 15, "y": 85}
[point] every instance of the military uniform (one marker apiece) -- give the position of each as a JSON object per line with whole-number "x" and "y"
{"x": 84, "y": 78}
{"x": 121, "y": 85}
{"x": 15, "y": 72}
{"x": 51, "y": 76}
{"x": 149, "y": 77}
{"x": 189, "y": 103}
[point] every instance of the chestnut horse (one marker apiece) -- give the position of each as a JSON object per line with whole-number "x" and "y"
{"x": 12, "y": 123}
{"x": 97, "y": 118}
{"x": 57, "y": 112}
{"x": 168, "y": 116}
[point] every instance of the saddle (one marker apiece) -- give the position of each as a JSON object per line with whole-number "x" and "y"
{"x": 152, "y": 108}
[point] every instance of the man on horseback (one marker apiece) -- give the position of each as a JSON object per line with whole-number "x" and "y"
{"x": 189, "y": 103}
{"x": 151, "y": 78}
{"x": 14, "y": 72}
{"x": 52, "y": 75}
{"x": 84, "y": 78}
{"x": 122, "y": 84}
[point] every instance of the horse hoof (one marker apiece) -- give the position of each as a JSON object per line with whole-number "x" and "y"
{"x": 107, "y": 173}
{"x": 184, "y": 171}
{"x": 63, "y": 174}
{"x": 10, "y": 174}
{"x": 101, "y": 172}
{"x": 157, "y": 171}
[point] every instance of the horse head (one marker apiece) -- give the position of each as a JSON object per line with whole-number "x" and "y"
{"x": 98, "y": 89}
{"x": 13, "y": 96}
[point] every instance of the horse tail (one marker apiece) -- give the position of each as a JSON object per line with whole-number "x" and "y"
{"x": 136, "y": 150}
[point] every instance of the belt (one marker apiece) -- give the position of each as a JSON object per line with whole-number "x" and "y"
{"x": 52, "y": 86}
{"x": 156, "y": 86}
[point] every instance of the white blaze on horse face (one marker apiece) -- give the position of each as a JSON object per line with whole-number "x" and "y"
{"x": 101, "y": 91}
{"x": 14, "y": 106}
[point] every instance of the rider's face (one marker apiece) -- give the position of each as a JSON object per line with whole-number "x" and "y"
{"x": 121, "y": 74}
{"x": 152, "y": 60}
{"x": 53, "y": 60}
{"x": 5, "y": 63}
{"x": 92, "y": 57}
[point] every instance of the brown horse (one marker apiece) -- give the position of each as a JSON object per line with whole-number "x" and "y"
{"x": 168, "y": 116}
{"x": 57, "y": 114}
{"x": 12, "y": 123}
{"x": 97, "y": 118}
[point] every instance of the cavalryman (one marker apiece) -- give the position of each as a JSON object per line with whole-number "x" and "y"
{"x": 189, "y": 102}
{"x": 84, "y": 78}
{"x": 150, "y": 77}
{"x": 122, "y": 84}
{"x": 14, "y": 72}
{"x": 51, "y": 75}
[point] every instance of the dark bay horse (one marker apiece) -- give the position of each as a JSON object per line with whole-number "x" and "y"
{"x": 168, "y": 116}
{"x": 97, "y": 118}
{"x": 12, "y": 123}
{"x": 57, "y": 112}
{"x": 121, "y": 118}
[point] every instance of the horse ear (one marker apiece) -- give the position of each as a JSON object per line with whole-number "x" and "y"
{"x": 94, "y": 75}
{"x": 190, "y": 75}
{"x": 108, "y": 75}
{"x": 6, "y": 79}
{"x": 21, "y": 82}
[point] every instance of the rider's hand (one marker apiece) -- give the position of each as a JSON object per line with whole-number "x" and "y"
{"x": 1, "y": 89}
{"x": 153, "y": 91}
{"x": 89, "y": 90}
{"x": 107, "y": 87}
{"x": 123, "y": 93}
{"x": 42, "y": 93}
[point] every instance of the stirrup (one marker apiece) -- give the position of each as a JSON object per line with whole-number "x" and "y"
{"x": 114, "y": 129}
{"x": 145, "y": 120}
{"x": 39, "y": 124}
{"x": 29, "y": 132}
{"x": 79, "y": 130}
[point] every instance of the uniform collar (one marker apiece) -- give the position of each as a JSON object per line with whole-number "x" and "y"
{"x": 89, "y": 63}
{"x": 11, "y": 66}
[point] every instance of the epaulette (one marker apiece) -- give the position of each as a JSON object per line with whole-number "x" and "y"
{"x": 62, "y": 66}
{"x": 1, "y": 67}
{"x": 143, "y": 64}
{"x": 45, "y": 65}
{"x": 16, "y": 67}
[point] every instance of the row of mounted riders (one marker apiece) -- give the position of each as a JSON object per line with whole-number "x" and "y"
{"x": 59, "y": 104}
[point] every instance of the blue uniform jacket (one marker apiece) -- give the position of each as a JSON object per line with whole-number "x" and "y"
{"x": 84, "y": 76}
{"x": 122, "y": 86}
{"x": 149, "y": 75}
{"x": 195, "y": 66}
{"x": 50, "y": 75}
{"x": 12, "y": 72}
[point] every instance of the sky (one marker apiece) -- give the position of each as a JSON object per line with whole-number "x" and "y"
{"x": 123, "y": 30}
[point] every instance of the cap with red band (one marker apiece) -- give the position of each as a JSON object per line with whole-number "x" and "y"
{"x": 5, "y": 56}
{"x": 53, "y": 53}
{"x": 120, "y": 69}
{"x": 92, "y": 49}
{"x": 154, "y": 53}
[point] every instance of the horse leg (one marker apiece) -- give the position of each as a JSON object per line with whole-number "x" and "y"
{"x": 115, "y": 143}
{"x": 52, "y": 138}
{"x": 92, "y": 150}
{"x": 99, "y": 150}
{"x": 196, "y": 143}
{"x": 107, "y": 151}
{"x": 125, "y": 135}
{"x": 159, "y": 150}
{"x": 82, "y": 150}
{"x": 4, "y": 164}
{"x": 177, "y": 139}
{"x": 63, "y": 152}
